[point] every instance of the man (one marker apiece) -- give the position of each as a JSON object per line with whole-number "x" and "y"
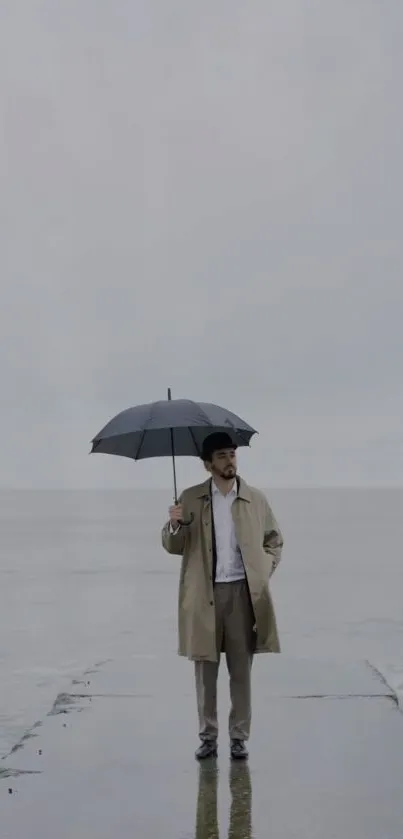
{"x": 229, "y": 550}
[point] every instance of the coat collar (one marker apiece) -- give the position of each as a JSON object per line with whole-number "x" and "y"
{"x": 243, "y": 490}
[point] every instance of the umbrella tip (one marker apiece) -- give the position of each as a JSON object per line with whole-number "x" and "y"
{"x": 169, "y": 394}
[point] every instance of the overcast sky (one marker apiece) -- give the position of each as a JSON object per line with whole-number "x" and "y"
{"x": 207, "y": 196}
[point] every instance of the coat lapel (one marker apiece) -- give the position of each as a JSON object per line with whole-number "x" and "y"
{"x": 208, "y": 528}
{"x": 204, "y": 494}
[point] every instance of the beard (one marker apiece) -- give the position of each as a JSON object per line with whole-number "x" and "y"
{"x": 226, "y": 474}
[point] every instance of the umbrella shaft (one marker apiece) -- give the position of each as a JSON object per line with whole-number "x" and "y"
{"x": 173, "y": 453}
{"x": 174, "y": 466}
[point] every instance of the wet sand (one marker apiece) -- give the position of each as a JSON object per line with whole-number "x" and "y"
{"x": 115, "y": 757}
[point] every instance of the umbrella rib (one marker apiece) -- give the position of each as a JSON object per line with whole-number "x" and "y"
{"x": 140, "y": 446}
{"x": 206, "y": 416}
{"x": 194, "y": 441}
{"x": 239, "y": 432}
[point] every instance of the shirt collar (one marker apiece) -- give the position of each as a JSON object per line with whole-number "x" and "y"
{"x": 215, "y": 490}
{"x": 244, "y": 493}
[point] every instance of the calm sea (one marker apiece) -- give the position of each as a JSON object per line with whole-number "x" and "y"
{"x": 83, "y": 579}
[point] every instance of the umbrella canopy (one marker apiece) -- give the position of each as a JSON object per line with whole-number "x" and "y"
{"x": 169, "y": 428}
{"x": 166, "y": 428}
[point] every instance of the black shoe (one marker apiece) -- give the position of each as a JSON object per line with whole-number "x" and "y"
{"x": 238, "y": 750}
{"x": 208, "y": 748}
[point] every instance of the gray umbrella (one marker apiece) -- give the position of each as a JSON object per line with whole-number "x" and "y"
{"x": 168, "y": 428}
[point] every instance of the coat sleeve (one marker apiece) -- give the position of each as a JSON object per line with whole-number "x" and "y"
{"x": 273, "y": 538}
{"x": 174, "y": 543}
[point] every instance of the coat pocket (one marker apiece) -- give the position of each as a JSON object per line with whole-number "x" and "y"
{"x": 267, "y": 565}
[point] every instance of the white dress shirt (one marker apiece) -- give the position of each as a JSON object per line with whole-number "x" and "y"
{"x": 230, "y": 566}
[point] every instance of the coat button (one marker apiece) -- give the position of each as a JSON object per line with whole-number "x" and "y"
{"x": 211, "y": 603}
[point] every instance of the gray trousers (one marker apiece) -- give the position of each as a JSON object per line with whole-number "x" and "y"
{"x": 235, "y": 636}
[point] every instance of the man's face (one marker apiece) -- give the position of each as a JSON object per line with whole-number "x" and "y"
{"x": 223, "y": 464}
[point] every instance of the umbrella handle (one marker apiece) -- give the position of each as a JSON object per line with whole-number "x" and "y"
{"x": 186, "y": 523}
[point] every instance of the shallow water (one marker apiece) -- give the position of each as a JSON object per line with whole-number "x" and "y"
{"x": 83, "y": 579}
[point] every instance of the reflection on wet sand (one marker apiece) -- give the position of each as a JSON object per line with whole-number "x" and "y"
{"x": 240, "y": 825}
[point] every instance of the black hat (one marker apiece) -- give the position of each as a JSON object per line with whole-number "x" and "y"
{"x": 216, "y": 441}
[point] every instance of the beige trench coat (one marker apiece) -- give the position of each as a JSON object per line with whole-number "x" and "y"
{"x": 260, "y": 541}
